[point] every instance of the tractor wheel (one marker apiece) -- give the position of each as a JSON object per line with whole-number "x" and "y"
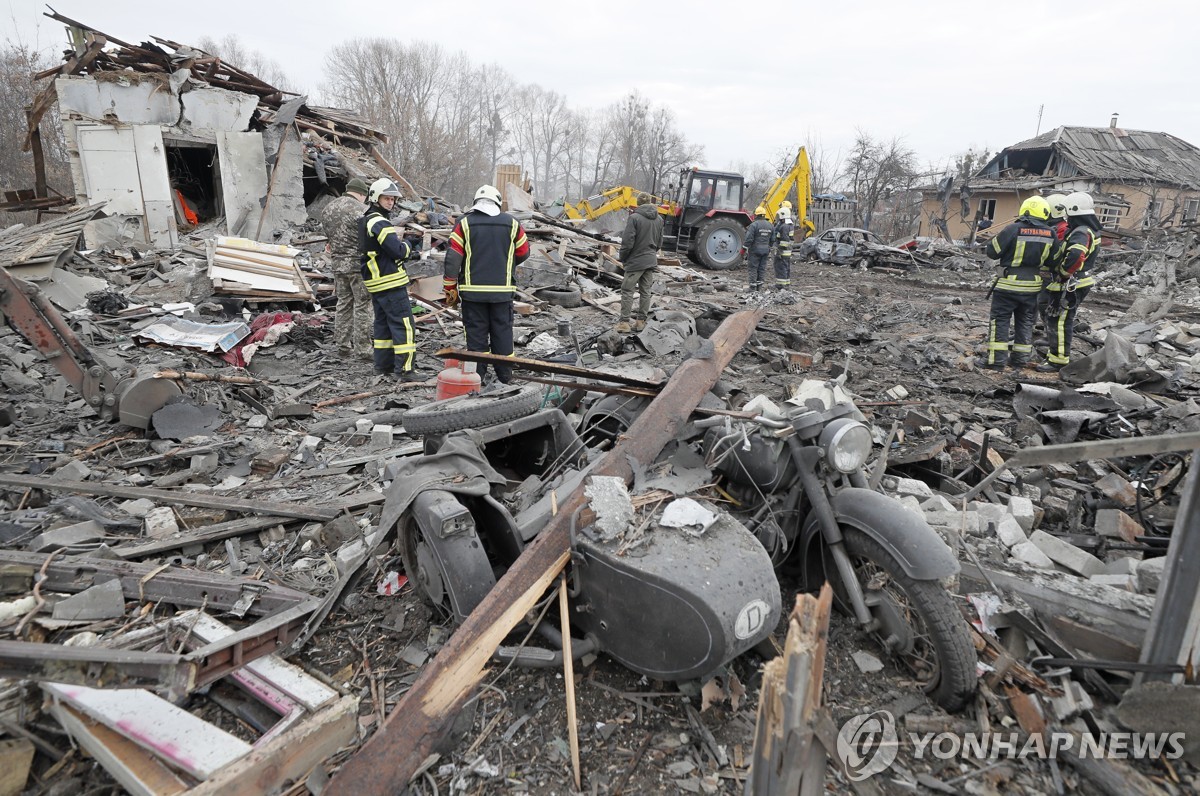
{"x": 719, "y": 243}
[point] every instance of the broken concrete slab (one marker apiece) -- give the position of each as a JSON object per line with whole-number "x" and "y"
{"x": 1030, "y": 554}
{"x": 1009, "y": 532}
{"x": 1126, "y": 582}
{"x": 68, "y": 536}
{"x": 1116, "y": 524}
{"x": 136, "y": 508}
{"x": 1021, "y": 509}
{"x": 939, "y": 503}
{"x": 911, "y": 486}
{"x": 160, "y": 523}
{"x": 1118, "y": 490}
{"x": 609, "y": 500}
{"x": 72, "y": 471}
{"x": 866, "y": 662}
{"x": 1149, "y": 574}
{"x": 1067, "y": 555}
{"x": 1125, "y": 565}
{"x": 102, "y": 601}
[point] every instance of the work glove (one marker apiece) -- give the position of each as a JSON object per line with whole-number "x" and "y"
{"x": 450, "y": 289}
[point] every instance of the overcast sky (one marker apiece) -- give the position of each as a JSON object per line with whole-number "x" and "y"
{"x": 748, "y": 80}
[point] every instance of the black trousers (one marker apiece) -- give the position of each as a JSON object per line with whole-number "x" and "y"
{"x": 395, "y": 335}
{"x": 489, "y": 327}
{"x": 1008, "y": 305}
{"x": 757, "y": 264}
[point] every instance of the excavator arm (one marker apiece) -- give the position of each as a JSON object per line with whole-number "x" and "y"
{"x": 799, "y": 177}
{"x": 622, "y": 197}
{"x": 131, "y": 399}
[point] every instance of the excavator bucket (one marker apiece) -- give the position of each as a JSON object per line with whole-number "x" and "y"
{"x": 143, "y": 394}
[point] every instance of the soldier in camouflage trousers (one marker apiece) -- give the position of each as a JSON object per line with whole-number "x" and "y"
{"x": 353, "y": 317}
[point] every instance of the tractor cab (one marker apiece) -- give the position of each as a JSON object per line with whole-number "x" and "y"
{"x": 709, "y": 219}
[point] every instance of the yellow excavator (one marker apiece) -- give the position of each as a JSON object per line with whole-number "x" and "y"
{"x": 707, "y": 219}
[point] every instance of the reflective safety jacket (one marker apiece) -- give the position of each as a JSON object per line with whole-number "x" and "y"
{"x": 759, "y": 237}
{"x": 383, "y": 252}
{"x": 785, "y": 230}
{"x": 483, "y": 252}
{"x": 1022, "y": 248}
{"x": 1081, "y": 248}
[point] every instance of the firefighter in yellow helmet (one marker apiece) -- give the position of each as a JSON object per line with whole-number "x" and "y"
{"x": 1023, "y": 249}
{"x": 756, "y": 246}
{"x": 384, "y": 252}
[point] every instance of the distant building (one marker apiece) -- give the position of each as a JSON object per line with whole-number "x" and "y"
{"x": 1139, "y": 179}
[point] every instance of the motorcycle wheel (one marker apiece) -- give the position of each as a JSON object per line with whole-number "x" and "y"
{"x": 940, "y": 654}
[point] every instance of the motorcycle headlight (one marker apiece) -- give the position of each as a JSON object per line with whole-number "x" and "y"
{"x": 846, "y": 444}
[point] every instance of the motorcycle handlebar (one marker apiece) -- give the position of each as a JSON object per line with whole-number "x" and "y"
{"x": 762, "y": 420}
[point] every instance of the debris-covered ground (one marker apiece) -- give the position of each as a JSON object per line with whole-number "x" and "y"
{"x": 272, "y": 414}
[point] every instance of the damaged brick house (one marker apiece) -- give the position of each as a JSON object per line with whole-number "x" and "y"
{"x": 171, "y": 137}
{"x": 1139, "y": 179}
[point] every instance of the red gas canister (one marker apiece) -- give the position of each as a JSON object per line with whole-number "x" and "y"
{"x": 458, "y": 378}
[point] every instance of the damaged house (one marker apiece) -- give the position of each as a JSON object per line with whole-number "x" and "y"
{"x": 171, "y": 137}
{"x": 1138, "y": 178}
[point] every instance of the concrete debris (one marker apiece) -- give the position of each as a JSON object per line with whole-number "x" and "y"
{"x": 257, "y": 491}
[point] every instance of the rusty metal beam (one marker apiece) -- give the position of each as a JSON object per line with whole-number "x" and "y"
{"x": 538, "y": 366}
{"x": 390, "y": 758}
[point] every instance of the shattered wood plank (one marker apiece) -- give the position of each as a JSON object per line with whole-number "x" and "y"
{"x": 786, "y": 760}
{"x": 422, "y": 718}
{"x": 185, "y": 741}
{"x": 135, "y": 769}
{"x": 296, "y": 510}
{"x": 288, "y": 757}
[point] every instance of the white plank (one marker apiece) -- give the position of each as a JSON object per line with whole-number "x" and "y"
{"x": 172, "y": 734}
{"x": 135, "y": 769}
{"x": 290, "y": 679}
{"x": 257, "y": 281}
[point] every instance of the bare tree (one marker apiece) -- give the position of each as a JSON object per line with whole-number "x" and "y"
{"x": 231, "y": 50}
{"x": 873, "y": 172}
{"x": 18, "y": 63}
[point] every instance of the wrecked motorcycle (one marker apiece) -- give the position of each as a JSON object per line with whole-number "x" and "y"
{"x": 676, "y": 608}
{"x": 797, "y": 482}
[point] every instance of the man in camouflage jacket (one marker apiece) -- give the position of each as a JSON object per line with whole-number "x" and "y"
{"x": 353, "y": 316}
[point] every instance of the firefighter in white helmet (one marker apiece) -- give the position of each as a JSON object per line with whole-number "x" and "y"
{"x": 1072, "y": 278}
{"x": 383, "y": 254}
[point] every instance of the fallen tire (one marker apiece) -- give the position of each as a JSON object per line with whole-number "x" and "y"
{"x": 566, "y": 297}
{"x": 473, "y": 411}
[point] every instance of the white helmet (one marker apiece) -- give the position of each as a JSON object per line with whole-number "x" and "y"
{"x": 1058, "y": 205}
{"x": 1080, "y": 204}
{"x": 489, "y": 192}
{"x": 382, "y": 187}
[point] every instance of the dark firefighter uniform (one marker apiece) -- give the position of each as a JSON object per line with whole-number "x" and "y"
{"x": 384, "y": 253}
{"x": 1022, "y": 248}
{"x": 784, "y": 235}
{"x": 757, "y": 243}
{"x": 1072, "y": 284}
{"x": 484, "y": 251}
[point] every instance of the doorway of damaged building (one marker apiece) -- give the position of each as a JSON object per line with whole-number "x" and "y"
{"x": 194, "y": 172}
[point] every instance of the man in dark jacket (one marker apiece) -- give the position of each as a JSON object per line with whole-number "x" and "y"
{"x": 639, "y": 257}
{"x": 1023, "y": 249}
{"x": 757, "y": 247}
{"x": 383, "y": 254}
{"x": 485, "y": 247}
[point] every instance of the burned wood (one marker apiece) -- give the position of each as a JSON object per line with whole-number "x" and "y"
{"x": 420, "y": 720}
{"x": 171, "y": 498}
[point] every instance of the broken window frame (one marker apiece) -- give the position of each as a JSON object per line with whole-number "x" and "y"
{"x": 987, "y": 209}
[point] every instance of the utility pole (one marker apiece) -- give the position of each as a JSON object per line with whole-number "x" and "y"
{"x": 1041, "y": 108}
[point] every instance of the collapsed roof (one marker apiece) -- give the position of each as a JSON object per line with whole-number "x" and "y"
{"x": 1109, "y": 154}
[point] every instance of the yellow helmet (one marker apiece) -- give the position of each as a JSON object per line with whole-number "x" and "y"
{"x": 760, "y": 211}
{"x": 786, "y": 205}
{"x": 1036, "y": 207}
